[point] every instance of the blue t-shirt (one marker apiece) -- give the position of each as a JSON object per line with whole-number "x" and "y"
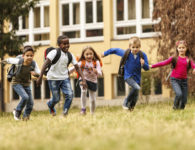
{"x": 132, "y": 66}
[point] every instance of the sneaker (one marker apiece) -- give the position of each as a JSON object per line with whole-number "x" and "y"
{"x": 16, "y": 114}
{"x": 65, "y": 112}
{"x": 52, "y": 111}
{"x": 83, "y": 111}
{"x": 125, "y": 107}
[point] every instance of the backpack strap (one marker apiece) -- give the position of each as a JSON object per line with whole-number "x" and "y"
{"x": 69, "y": 58}
{"x": 57, "y": 57}
{"x": 174, "y": 62}
{"x": 124, "y": 58}
{"x": 83, "y": 62}
{"x": 94, "y": 64}
{"x": 141, "y": 55}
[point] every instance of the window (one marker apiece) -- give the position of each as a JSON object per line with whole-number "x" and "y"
{"x": 37, "y": 91}
{"x": 46, "y": 89}
{"x": 120, "y": 86}
{"x": 100, "y": 89}
{"x": 81, "y": 20}
{"x": 34, "y": 27}
{"x": 133, "y": 17}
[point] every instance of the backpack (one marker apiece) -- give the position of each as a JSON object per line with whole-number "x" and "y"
{"x": 83, "y": 62}
{"x": 123, "y": 61}
{"x": 14, "y": 70}
{"x": 56, "y": 58}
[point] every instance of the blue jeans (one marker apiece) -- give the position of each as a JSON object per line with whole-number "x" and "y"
{"x": 26, "y": 99}
{"x": 131, "y": 100}
{"x": 180, "y": 87}
{"x": 65, "y": 86}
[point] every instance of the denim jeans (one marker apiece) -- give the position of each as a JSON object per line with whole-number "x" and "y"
{"x": 65, "y": 86}
{"x": 180, "y": 87}
{"x": 131, "y": 100}
{"x": 26, "y": 99}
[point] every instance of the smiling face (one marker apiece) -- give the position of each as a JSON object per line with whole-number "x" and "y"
{"x": 64, "y": 45}
{"x": 134, "y": 48}
{"x": 28, "y": 57}
{"x": 182, "y": 49}
{"x": 89, "y": 55}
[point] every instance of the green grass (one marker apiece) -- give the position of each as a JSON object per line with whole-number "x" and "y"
{"x": 148, "y": 127}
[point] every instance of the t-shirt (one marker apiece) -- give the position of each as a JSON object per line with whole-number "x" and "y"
{"x": 59, "y": 70}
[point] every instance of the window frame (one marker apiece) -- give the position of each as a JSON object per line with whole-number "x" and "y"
{"x": 31, "y": 31}
{"x": 138, "y": 22}
{"x": 83, "y": 26}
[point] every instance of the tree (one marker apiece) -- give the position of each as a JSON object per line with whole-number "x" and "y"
{"x": 9, "y": 42}
{"x": 177, "y": 22}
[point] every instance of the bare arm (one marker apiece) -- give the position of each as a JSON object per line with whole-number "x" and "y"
{"x": 45, "y": 65}
{"x": 81, "y": 75}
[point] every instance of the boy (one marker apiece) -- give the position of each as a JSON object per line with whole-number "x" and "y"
{"x": 132, "y": 69}
{"x": 21, "y": 81}
{"x": 58, "y": 77}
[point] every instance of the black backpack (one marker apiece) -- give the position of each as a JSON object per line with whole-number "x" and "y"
{"x": 123, "y": 61}
{"x": 56, "y": 58}
{"x": 14, "y": 70}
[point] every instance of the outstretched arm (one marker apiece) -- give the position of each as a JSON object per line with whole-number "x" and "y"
{"x": 116, "y": 51}
{"x": 45, "y": 65}
{"x": 162, "y": 63}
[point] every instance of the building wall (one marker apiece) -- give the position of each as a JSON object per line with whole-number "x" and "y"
{"x": 110, "y": 63}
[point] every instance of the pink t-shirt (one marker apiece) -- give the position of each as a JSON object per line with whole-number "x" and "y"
{"x": 180, "y": 70}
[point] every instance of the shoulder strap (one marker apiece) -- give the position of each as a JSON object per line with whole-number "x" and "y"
{"x": 124, "y": 58}
{"x": 82, "y": 64}
{"x": 174, "y": 62}
{"x": 19, "y": 66}
{"x": 58, "y": 54}
{"x": 94, "y": 64}
{"x": 188, "y": 64}
{"x": 141, "y": 54}
{"x": 69, "y": 58}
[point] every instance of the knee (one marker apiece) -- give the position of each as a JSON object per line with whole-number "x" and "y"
{"x": 179, "y": 94}
{"x": 25, "y": 97}
{"x": 137, "y": 88}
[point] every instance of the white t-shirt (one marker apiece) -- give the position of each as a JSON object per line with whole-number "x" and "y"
{"x": 59, "y": 70}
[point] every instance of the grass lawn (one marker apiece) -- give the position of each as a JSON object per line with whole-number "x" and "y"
{"x": 148, "y": 127}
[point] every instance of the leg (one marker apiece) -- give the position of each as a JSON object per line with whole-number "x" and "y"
{"x": 184, "y": 94}
{"x": 131, "y": 99}
{"x": 178, "y": 93}
{"x": 67, "y": 90}
{"x": 92, "y": 98}
{"x": 54, "y": 86}
{"x": 30, "y": 103}
{"x": 83, "y": 100}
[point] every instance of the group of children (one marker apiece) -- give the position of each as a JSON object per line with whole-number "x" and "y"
{"x": 89, "y": 68}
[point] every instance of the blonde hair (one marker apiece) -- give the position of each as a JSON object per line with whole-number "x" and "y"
{"x": 134, "y": 40}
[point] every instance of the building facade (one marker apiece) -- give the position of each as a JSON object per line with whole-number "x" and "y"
{"x": 102, "y": 24}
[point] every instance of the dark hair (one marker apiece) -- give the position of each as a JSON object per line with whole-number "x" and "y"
{"x": 27, "y": 48}
{"x": 96, "y": 57}
{"x": 60, "y": 38}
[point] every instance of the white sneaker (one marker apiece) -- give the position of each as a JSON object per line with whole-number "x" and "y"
{"x": 16, "y": 115}
{"x": 125, "y": 107}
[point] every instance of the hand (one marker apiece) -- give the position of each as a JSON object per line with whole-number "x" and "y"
{"x": 84, "y": 84}
{"x": 142, "y": 61}
{"x": 193, "y": 72}
{"x": 39, "y": 81}
{"x": 3, "y": 62}
{"x": 102, "y": 55}
{"x": 94, "y": 70}
{"x": 150, "y": 66}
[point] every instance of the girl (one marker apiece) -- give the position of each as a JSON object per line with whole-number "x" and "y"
{"x": 181, "y": 62}
{"x": 21, "y": 81}
{"x": 89, "y": 63}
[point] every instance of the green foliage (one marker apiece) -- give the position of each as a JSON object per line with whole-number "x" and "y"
{"x": 10, "y": 11}
{"x": 146, "y": 83}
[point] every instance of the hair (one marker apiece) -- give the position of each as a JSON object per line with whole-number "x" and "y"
{"x": 27, "y": 48}
{"x": 184, "y": 43}
{"x": 134, "y": 40}
{"x": 60, "y": 38}
{"x": 96, "y": 57}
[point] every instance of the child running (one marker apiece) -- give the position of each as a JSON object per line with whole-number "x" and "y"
{"x": 181, "y": 62}
{"x": 89, "y": 63}
{"x": 26, "y": 67}
{"x": 132, "y": 69}
{"x": 58, "y": 77}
